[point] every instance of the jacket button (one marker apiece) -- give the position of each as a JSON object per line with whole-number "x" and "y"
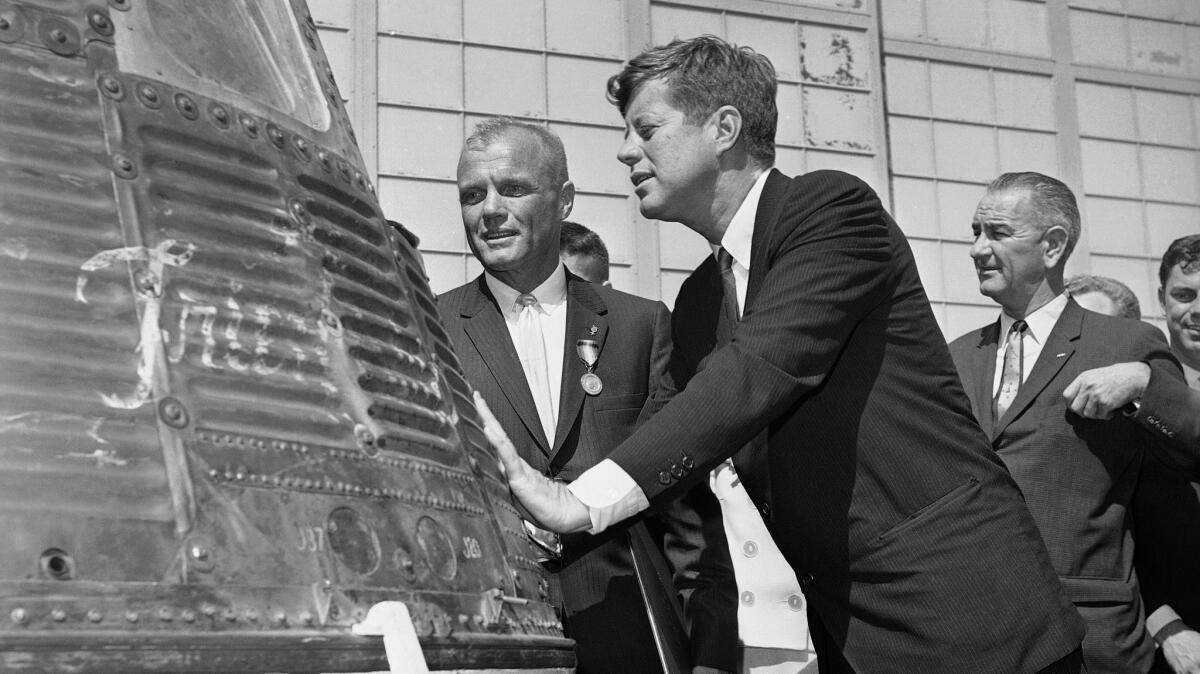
{"x": 664, "y": 477}
{"x": 795, "y": 602}
{"x": 806, "y": 580}
{"x": 750, "y": 548}
{"x": 765, "y": 511}
{"x": 748, "y": 598}
{"x": 677, "y": 470}
{"x": 687, "y": 462}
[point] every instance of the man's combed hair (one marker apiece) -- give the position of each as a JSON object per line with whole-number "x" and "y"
{"x": 703, "y": 74}
{"x": 1122, "y": 297}
{"x": 1185, "y": 252}
{"x": 493, "y": 129}
{"x": 1050, "y": 197}
{"x": 575, "y": 239}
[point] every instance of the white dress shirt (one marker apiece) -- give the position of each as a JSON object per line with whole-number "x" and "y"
{"x": 1039, "y": 324}
{"x": 552, "y": 318}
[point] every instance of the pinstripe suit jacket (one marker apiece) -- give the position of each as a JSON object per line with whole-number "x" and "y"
{"x": 1079, "y": 476}
{"x": 601, "y": 601}
{"x": 908, "y": 536}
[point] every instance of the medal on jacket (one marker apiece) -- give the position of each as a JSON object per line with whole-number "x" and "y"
{"x": 589, "y": 353}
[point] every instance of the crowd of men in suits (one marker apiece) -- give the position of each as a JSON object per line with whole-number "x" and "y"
{"x": 796, "y": 449}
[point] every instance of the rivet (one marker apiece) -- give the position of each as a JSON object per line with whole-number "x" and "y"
{"x": 58, "y": 615}
{"x": 173, "y": 413}
{"x": 199, "y": 553}
{"x": 298, "y": 212}
{"x": 148, "y": 95}
{"x": 95, "y": 616}
{"x": 306, "y": 618}
{"x": 252, "y": 615}
{"x": 220, "y": 115}
{"x": 147, "y": 283}
{"x": 229, "y": 614}
{"x": 326, "y": 160}
{"x": 164, "y": 614}
{"x": 111, "y": 87}
{"x": 208, "y": 610}
{"x": 58, "y": 35}
{"x": 100, "y": 22}
{"x": 124, "y": 167}
{"x": 186, "y": 106}
{"x": 302, "y": 148}
{"x": 249, "y": 125}
{"x": 275, "y": 135}
{"x": 19, "y": 615}
{"x": 279, "y": 618}
{"x": 188, "y": 615}
{"x": 132, "y": 616}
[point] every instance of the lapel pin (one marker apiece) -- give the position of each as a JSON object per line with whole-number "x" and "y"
{"x": 589, "y": 353}
{"x": 593, "y": 330}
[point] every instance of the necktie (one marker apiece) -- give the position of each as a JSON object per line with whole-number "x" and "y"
{"x": 532, "y": 351}
{"x": 1012, "y": 370}
{"x": 729, "y": 310}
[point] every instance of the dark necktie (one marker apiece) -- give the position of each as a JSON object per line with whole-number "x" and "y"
{"x": 1011, "y": 370}
{"x": 729, "y": 311}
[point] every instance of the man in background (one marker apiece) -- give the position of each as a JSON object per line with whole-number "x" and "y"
{"x": 584, "y": 253}
{"x": 571, "y": 368}
{"x": 1078, "y": 475}
{"x": 1168, "y": 554}
{"x": 1104, "y": 295}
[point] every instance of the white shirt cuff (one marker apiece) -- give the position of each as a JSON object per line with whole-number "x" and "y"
{"x": 609, "y": 494}
{"x": 1159, "y": 619}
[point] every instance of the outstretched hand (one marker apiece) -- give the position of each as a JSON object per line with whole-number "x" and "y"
{"x": 1097, "y": 393}
{"x": 548, "y": 503}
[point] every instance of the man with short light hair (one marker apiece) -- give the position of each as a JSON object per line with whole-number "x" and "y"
{"x": 571, "y": 368}
{"x": 1078, "y": 475}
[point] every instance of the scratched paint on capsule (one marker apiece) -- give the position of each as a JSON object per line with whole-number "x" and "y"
{"x": 150, "y": 339}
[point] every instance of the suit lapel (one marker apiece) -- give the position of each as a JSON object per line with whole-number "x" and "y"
{"x": 484, "y": 325}
{"x": 982, "y": 372}
{"x": 585, "y": 310}
{"x": 1059, "y": 347}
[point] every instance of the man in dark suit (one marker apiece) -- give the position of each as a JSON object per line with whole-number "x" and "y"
{"x": 906, "y": 533}
{"x": 1079, "y": 475}
{"x": 595, "y": 372}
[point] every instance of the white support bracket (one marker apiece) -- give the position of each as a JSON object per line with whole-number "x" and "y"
{"x": 390, "y": 620}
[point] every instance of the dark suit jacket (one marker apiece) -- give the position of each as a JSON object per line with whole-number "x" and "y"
{"x": 1079, "y": 476}
{"x": 908, "y": 537}
{"x": 601, "y": 601}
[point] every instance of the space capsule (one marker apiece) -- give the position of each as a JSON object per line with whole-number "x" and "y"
{"x": 230, "y": 422}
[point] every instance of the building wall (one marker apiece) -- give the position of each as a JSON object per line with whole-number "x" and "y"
{"x": 1104, "y": 94}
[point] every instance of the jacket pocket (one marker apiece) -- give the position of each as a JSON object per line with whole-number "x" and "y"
{"x": 932, "y": 509}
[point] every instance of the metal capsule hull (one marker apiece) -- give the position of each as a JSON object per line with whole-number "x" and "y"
{"x": 230, "y": 421}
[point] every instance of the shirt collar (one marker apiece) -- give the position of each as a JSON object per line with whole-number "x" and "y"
{"x": 552, "y": 291}
{"x": 1040, "y": 322}
{"x": 739, "y": 235}
{"x": 1191, "y": 376}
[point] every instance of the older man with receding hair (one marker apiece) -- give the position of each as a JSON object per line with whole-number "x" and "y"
{"x": 1078, "y": 474}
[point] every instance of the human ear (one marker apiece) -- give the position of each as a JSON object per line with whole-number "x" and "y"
{"x": 727, "y": 124}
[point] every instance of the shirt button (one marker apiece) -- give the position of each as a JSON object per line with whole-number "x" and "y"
{"x": 795, "y": 602}
{"x": 664, "y": 477}
{"x": 748, "y": 598}
{"x": 750, "y": 548}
